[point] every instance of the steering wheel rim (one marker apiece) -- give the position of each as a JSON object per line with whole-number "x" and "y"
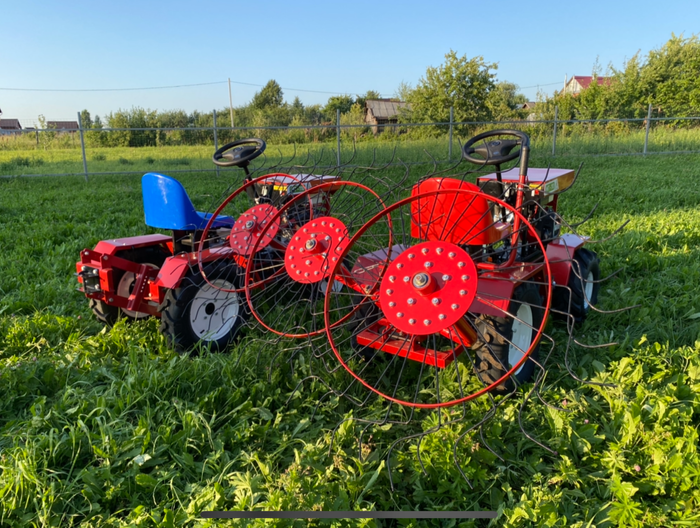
{"x": 218, "y": 156}
{"x": 468, "y": 150}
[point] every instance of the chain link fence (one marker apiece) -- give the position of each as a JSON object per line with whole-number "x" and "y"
{"x": 68, "y": 148}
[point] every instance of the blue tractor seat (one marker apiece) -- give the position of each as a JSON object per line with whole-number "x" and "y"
{"x": 167, "y": 206}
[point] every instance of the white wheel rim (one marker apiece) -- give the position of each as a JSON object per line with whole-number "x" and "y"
{"x": 588, "y": 290}
{"x": 214, "y": 312}
{"x": 522, "y": 336}
{"x": 124, "y": 290}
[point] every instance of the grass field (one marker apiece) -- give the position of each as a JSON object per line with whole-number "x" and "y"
{"x": 109, "y": 427}
{"x": 20, "y": 157}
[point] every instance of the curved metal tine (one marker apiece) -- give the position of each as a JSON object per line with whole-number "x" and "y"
{"x": 539, "y": 381}
{"x": 522, "y": 428}
{"x": 301, "y": 382}
{"x": 586, "y": 219}
{"x": 576, "y": 267}
{"x": 558, "y": 192}
{"x": 611, "y": 235}
{"x": 489, "y": 414}
{"x": 573, "y": 375}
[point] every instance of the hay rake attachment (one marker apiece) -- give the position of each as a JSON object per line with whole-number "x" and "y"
{"x": 405, "y": 305}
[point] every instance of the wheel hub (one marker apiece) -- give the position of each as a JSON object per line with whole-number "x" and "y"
{"x": 248, "y": 229}
{"x": 314, "y": 249}
{"x": 428, "y": 288}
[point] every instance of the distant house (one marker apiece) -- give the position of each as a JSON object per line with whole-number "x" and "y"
{"x": 530, "y": 105}
{"x": 63, "y": 126}
{"x": 380, "y": 112}
{"x": 10, "y": 126}
{"x": 580, "y": 82}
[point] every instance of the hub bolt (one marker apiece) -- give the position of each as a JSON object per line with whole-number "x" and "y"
{"x": 411, "y": 256}
{"x": 441, "y": 317}
{"x": 411, "y": 301}
{"x": 446, "y": 277}
{"x": 412, "y": 321}
{"x": 399, "y": 266}
{"x": 462, "y": 292}
{"x": 424, "y": 251}
{"x": 310, "y": 244}
{"x": 392, "y": 278}
{"x": 439, "y": 251}
{"x": 406, "y": 278}
{"x": 460, "y": 264}
{"x": 249, "y": 224}
{"x": 428, "y": 264}
{"x": 455, "y": 306}
{"x": 392, "y": 304}
{"x": 465, "y": 277}
{"x": 426, "y": 322}
{"x": 389, "y": 291}
{"x": 451, "y": 254}
{"x": 436, "y": 301}
{"x": 399, "y": 314}
{"x": 308, "y": 263}
{"x": 420, "y": 280}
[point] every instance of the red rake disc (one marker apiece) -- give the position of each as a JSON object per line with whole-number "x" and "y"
{"x": 428, "y": 288}
{"x": 290, "y": 304}
{"x": 249, "y": 227}
{"x": 442, "y": 317}
{"x": 314, "y": 249}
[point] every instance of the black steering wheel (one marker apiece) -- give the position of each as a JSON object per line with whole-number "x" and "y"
{"x": 497, "y": 151}
{"x": 239, "y": 153}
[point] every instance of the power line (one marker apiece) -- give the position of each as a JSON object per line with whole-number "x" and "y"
{"x": 199, "y": 84}
{"x": 159, "y": 88}
{"x": 107, "y": 89}
{"x": 537, "y": 85}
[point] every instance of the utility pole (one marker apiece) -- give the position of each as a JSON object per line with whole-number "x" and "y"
{"x": 230, "y": 101}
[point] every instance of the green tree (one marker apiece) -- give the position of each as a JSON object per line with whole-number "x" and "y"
{"x": 369, "y": 94}
{"x": 271, "y": 96}
{"x": 338, "y": 102}
{"x": 670, "y": 78}
{"x": 85, "y": 119}
{"x": 459, "y": 82}
{"x": 503, "y": 101}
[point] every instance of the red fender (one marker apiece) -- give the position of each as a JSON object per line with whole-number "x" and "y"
{"x": 560, "y": 252}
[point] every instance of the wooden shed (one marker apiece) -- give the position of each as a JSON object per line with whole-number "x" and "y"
{"x": 380, "y": 112}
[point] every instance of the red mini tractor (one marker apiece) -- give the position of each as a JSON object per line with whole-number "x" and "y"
{"x": 447, "y": 292}
{"x": 192, "y": 279}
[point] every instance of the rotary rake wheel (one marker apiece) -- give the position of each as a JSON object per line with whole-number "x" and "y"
{"x": 440, "y": 305}
{"x": 289, "y": 302}
{"x": 256, "y": 235}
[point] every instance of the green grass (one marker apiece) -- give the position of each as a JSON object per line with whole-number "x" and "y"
{"x": 111, "y": 428}
{"x": 572, "y": 140}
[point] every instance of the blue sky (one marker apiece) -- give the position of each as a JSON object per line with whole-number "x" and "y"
{"x": 338, "y": 47}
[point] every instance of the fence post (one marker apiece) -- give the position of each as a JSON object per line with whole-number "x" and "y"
{"x": 216, "y": 139}
{"x": 337, "y": 124}
{"x": 554, "y": 136}
{"x": 646, "y": 132}
{"x": 452, "y": 119}
{"x": 82, "y": 145}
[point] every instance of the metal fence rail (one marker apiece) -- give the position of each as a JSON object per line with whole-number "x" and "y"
{"x": 191, "y": 147}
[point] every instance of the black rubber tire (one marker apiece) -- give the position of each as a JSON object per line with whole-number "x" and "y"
{"x": 366, "y": 315}
{"x": 585, "y": 262}
{"x": 496, "y": 332}
{"x": 175, "y": 321}
{"x": 109, "y": 314}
